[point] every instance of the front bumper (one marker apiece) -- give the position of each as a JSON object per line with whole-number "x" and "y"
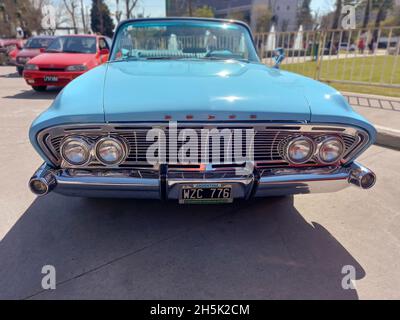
{"x": 166, "y": 185}
{"x": 36, "y": 78}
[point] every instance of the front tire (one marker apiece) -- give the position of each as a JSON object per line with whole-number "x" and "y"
{"x": 39, "y": 88}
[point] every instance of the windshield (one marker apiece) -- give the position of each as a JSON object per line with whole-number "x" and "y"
{"x": 183, "y": 40}
{"x": 38, "y": 43}
{"x": 73, "y": 45}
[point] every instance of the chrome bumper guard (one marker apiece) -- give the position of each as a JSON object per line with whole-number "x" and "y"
{"x": 144, "y": 184}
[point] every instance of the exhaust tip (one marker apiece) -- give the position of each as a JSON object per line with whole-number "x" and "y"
{"x": 39, "y": 186}
{"x": 368, "y": 181}
{"x": 42, "y": 182}
{"x": 362, "y": 178}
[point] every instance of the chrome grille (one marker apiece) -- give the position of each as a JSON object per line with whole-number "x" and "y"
{"x": 269, "y": 141}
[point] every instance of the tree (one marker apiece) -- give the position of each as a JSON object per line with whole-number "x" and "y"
{"x": 101, "y": 21}
{"x": 263, "y": 16}
{"x": 129, "y": 6}
{"x": 237, "y": 15}
{"x": 394, "y": 19}
{"x": 71, "y": 6}
{"x": 304, "y": 16}
{"x": 190, "y": 8}
{"x": 383, "y": 9}
{"x": 367, "y": 13}
{"x": 118, "y": 12}
{"x": 19, "y": 13}
{"x": 337, "y": 14}
{"x": 205, "y": 12}
{"x": 84, "y": 25}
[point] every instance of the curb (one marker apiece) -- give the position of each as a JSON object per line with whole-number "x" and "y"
{"x": 388, "y": 137}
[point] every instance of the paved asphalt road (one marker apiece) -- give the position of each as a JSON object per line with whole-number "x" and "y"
{"x": 270, "y": 248}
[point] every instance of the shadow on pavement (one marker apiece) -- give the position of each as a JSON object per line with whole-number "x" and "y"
{"x": 10, "y": 75}
{"x": 148, "y": 249}
{"x": 50, "y": 94}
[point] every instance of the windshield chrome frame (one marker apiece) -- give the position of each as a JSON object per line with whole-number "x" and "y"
{"x": 177, "y": 19}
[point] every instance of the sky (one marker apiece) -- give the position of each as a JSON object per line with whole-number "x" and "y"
{"x": 322, "y": 6}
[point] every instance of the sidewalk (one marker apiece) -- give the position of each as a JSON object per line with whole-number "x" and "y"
{"x": 383, "y": 112}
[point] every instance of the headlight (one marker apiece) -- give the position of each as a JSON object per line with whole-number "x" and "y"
{"x": 110, "y": 151}
{"x": 31, "y": 67}
{"x": 23, "y": 60}
{"x": 75, "y": 151}
{"x": 331, "y": 150}
{"x": 78, "y": 67}
{"x": 300, "y": 150}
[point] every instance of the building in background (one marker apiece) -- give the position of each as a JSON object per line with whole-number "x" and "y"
{"x": 284, "y": 12}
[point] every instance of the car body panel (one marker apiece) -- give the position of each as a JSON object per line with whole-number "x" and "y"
{"x": 12, "y": 56}
{"x": 96, "y": 97}
{"x": 28, "y": 53}
{"x": 201, "y": 87}
{"x": 87, "y": 109}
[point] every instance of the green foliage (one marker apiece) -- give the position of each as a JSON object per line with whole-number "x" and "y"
{"x": 101, "y": 21}
{"x": 393, "y": 20}
{"x": 304, "y": 16}
{"x": 19, "y": 13}
{"x": 361, "y": 69}
{"x": 204, "y": 12}
{"x": 263, "y": 19}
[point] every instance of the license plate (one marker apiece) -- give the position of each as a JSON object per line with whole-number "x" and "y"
{"x": 206, "y": 193}
{"x": 50, "y": 79}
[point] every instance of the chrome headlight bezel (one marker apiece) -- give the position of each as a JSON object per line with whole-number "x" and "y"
{"x": 295, "y": 140}
{"x": 76, "y": 68}
{"x": 80, "y": 141}
{"x": 121, "y": 146}
{"x": 327, "y": 140}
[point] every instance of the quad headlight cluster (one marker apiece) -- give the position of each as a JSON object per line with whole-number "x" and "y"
{"x": 302, "y": 149}
{"x": 80, "y": 151}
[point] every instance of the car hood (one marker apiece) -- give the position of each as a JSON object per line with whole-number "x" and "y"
{"x": 61, "y": 59}
{"x": 151, "y": 90}
{"x": 29, "y": 53}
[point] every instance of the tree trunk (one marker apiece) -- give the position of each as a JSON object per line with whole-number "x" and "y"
{"x": 128, "y": 13}
{"x": 381, "y": 15}
{"x": 338, "y": 13}
{"x": 367, "y": 13}
{"x": 190, "y": 8}
{"x": 117, "y": 12}
{"x": 83, "y": 18}
{"x": 99, "y": 5}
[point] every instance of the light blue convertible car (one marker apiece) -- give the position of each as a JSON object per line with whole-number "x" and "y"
{"x": 184, "y": 110}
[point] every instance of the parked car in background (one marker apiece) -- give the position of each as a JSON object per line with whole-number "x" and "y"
{"x": 9, "y": 49}
{"x": 184, "y": 110}
{"x": 345, "y": 46}
{"x": 65, "y": 59}
{"x": 32, "y": 48}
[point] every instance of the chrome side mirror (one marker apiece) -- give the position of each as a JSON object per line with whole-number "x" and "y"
{"x": 278, "y": 57}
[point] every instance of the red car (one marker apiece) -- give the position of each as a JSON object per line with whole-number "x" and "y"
{"x": 65, "y": 59}
{"x": 9, "y": 48}
{"x": 32, "y": 48}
